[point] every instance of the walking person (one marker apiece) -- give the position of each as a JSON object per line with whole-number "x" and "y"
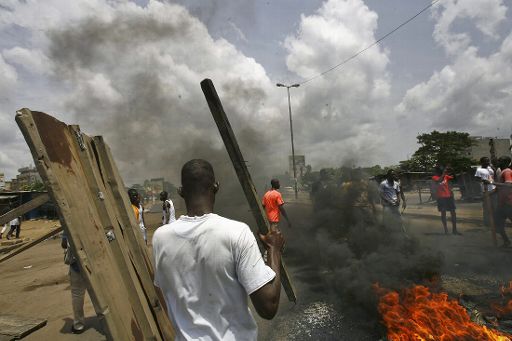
{"x": 78, "y": 288}
{"x": 444, "y": 197}
{"x": 273, "y": 203}
{"x": 206, "y": 266}
{"x": 504, "y": 207}
{"x": 138, "y": 210}
{"x": 390, "y": 195}
{"x": 168, "y": 211}
{"x": 485, "y": 174}
{"x": 15, "y": 225}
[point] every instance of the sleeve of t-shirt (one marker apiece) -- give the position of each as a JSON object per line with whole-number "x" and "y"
{"x": 156, "y": 280}
{"x": 279, "y": 199}
{"x": 251, "y": 270}
{"x": 478, "y": 174}
{"x": 506, "y": 175}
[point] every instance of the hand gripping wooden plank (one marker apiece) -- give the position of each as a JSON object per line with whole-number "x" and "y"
{"x": 242, "y": 172}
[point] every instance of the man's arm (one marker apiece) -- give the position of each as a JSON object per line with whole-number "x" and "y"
{"x": 283, "y": 212}
{"x": 266, "y": 299}
{"x": 402, "y": 195}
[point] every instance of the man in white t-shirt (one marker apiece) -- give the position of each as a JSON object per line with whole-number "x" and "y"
{"x": 390, "y": 195}
{"x": 485, "y": 174}
{"x": 168, "y": 211}
{"x": 207, "y": 265}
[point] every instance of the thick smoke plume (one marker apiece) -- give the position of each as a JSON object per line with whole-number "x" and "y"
{"x": 135, "y": 75}
{"x": 351, "y": 250}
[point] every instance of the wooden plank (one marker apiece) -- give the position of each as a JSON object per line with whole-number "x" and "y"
{"x": 242, "y": 172}
{"x": 52, "y": 145}
{"x": 139, "y": 254}
{"x": 90, "y": 165}
{"x": 15, "y": 327}
{"x": 26, "y": 207}
{"x": 30, "y": 244}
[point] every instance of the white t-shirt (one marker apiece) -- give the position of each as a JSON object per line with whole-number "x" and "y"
{"x": 14, "y": 222}
{"x": 389, "y": 193}
{"x": 486, "y": 174}
{"x": 206, "y": 267}
{"x": 172, "y": 212}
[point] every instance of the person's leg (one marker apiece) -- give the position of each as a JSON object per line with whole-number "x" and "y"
{"x": 501, "y": 218}
{"x": 11, "y": 230}
{"x": 443, "y": 220}
{"x": 77, "y": 299}
{"x": 454, "y": 222}
{"x": 485, "y": 212}
{"x": 18, "y": 228}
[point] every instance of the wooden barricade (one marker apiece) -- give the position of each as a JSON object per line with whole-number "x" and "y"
{"x": 83, "y": 181}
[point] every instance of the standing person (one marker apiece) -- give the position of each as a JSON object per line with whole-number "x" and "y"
{"x": 168, "y": 211}
{"x": 206, "y": 266}
{"x": 390, "y": 195}
{"x": 15, "y": 225}
{"x": 485, "y": 174}
{"x": 504, "y": 207}
{"x": 78, "y": 288}
{"x": 273, "y": 203}
{"x": 444, "y": 197}
{"x": 138, "y": 210}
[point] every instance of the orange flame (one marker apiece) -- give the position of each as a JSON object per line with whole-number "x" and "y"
{"x": 418, "y": 314}
{"x": 507, "y": 308}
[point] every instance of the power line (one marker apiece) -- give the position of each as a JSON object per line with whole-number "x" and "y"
{"x": 372, "y": 45}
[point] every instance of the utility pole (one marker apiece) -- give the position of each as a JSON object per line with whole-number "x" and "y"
{"x": 291, "y": 132}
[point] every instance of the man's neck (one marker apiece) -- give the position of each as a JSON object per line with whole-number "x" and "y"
{"x": 199, "y": 206}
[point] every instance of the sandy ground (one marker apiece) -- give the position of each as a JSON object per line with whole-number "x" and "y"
{"x": 35, "y": 283}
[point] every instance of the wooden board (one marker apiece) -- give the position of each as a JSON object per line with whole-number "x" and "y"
{"x": 14, "y": 327}
{"x": 26, "y": 207}
{"x": 28, "y": 245}
{"x": 68, "y": 162}
{"x": 228, "y": 136}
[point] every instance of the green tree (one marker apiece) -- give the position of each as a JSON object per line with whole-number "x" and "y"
{"x": 438, "y": 148}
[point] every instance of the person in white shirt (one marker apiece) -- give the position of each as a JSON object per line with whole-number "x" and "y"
{"x": 206, "y": 266}
{"x": 390, "y": 195}
{"x": 168, "y": 211}
{"x": 485, "y": 174}
{"x": 15, "y": 225}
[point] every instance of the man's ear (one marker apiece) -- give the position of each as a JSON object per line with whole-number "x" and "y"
{"x": 180, "y": 191}
{"x": 216, "y": 187}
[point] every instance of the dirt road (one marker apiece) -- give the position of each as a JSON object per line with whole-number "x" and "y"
{"x": 35, "y": 283}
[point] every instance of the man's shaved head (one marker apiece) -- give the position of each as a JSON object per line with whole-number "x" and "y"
{"x": 197, "y": 177}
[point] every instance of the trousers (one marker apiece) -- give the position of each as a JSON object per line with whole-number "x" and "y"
{"x": 78, "y": 288}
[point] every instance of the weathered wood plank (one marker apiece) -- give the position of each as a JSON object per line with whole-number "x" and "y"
{"x": 30, "y": 244}
{"x": 115, "y": 190}
{"x": 15, "y": 327}
{"x": 26, "y": 207}
{"x": 242, "y": 172}
{"x": 51, "y": 143}
{"x": 90, "y": 165}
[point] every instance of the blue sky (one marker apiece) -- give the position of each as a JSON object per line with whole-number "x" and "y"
{"x": 122, "y": 68}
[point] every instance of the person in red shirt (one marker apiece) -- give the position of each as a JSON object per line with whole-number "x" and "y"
{"x": 273, "y": 204}
{"x": 444, "y": 196}
{"x": 504, "y": 207}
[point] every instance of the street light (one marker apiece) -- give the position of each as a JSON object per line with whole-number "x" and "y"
{"x": 291, "y": 130}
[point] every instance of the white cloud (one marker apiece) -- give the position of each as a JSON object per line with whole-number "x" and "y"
{"x": 473, "y": 92}
{"x": 34, "y": 61}
{"x": 486, "y": 16}
{"x": 342, "y": 109}
{"x": 8, "y": 79}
